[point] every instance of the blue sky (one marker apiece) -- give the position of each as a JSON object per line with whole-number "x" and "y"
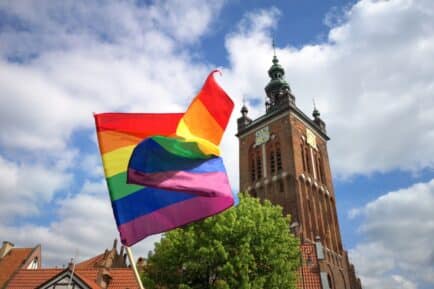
{"x": 368, "y": 64}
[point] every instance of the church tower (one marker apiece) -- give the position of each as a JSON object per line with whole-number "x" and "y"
{"x": 284, "y": 158}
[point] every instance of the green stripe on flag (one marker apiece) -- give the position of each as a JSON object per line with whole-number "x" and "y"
{"x": 119, "y": 188}
{"x": 179, "y": 147}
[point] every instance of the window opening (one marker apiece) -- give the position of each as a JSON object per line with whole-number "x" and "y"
{"x": 272, "y": 163}
{"x": 278, "y": 159}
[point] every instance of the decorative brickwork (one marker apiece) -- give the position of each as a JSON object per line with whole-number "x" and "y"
{"x": 284, "y": 158}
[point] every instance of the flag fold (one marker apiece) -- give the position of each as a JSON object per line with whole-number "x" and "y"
{"x": 164, "y": 170}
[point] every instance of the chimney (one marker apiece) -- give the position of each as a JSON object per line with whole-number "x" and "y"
{"x": 71, "y": 264}
{"x": 115, "y": 244}
{"x": 103, "y": 277}
{"x": 6, "y": 248}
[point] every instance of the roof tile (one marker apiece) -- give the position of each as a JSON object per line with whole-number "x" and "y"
{"x": 12, "y": 262}
{"x": 26, "y": 279}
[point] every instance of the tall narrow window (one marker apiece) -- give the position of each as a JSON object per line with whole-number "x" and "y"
{"x": 278, "y": 158}
{"x": 258, "y": 166}
{"x": 321, "y": 170}
{"x": 252, "y": 169}
{"x": 316, "y": 166}
{"x": 306, "y": 154}
{"x": 252, "y": 164}
{"x": 303, "y": 157}
{"x": 272, "y": 163}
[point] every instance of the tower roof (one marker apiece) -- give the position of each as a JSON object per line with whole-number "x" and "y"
{"x": 278, "y": 92}
{"x": 276, "y": 73}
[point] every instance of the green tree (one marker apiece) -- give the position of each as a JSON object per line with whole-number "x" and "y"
{"x": 247, "y": 247}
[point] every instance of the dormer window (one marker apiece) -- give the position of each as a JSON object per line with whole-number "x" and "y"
{"x": 34, "y": 264}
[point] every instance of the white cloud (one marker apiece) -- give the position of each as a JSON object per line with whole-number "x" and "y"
{"x": 76, "y": 58}
{"x": 185, "y": 20}
{"x": 372, "y": 82}
{"x": 398, "y": 229}
{"x": 46, "y": 25}
{"x": 84, "y": 225}
{"x": 60, "y": 62}
{"x": 24, "y": 188}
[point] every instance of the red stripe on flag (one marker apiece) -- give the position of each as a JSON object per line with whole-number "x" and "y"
{"x": 217, "y": 102}
{"x": 138, "y": 124}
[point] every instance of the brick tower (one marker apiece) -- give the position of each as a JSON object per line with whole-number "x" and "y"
{"x": 283, "y": 158}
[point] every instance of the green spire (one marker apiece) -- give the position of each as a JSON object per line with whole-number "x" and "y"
{"x": 276, "y": 73}
{"x": 278, "y": 91}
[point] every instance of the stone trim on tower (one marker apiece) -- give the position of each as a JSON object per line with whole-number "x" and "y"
{"x": 284, "y": 158}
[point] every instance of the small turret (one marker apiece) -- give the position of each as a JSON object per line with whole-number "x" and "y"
{"x": 244, "y": 120}
{"x": 317, "y": 119}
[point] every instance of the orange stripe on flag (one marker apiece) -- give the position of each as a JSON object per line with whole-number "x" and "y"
{"x": 201, "y": 123}
{"x": 112, "y": 140}
{"x": 215, "y": 99}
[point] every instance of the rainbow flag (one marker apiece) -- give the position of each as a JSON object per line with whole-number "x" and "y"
{"x": 163, "y": 170}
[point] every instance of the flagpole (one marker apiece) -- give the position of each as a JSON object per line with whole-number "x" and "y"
{"x": 133, "y": 264}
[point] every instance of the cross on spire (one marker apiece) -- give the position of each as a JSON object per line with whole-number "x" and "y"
{"x": 315, "y": 112}
{"x": 274, "y": 48}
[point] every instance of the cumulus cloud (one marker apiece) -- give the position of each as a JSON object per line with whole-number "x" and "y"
{"x": 84, "y": 227}
{"x": 76, "y": 58}
{"x": 24, "y": 188}
{"x": 371, "y": 80}
{"x": 59, "y": 63}
{"x": 398, "y": 230}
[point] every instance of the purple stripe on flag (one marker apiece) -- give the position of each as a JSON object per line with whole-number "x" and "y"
{"x": 215, "y": 184}
{"x": 171, "y": 217}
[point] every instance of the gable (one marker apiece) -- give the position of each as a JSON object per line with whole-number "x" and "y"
{"x": 62, "y": 280}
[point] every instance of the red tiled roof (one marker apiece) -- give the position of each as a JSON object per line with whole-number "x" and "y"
{"x": 123, "y": 278}
{"x": 309, "y": 271}
{"x": 26, "y": 279}
{"x": 90, "y": 263}
{"x": 88, "y": 277}
{"x": 12, "y": 262}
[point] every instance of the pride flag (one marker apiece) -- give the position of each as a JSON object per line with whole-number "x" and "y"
{"x": 163, "y": 170}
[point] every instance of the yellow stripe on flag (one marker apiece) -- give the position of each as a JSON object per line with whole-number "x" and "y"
{"x": 116, "y": 161}
{"x": 201, "y": 123}
{"x": 204, "y": 145}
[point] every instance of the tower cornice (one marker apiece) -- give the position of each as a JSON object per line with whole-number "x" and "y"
{"x": 282, "y": 112}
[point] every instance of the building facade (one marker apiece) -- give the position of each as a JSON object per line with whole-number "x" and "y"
{"x": 14, "y": 259}
{"x": 108, "y": 270}
{"x": 283, "y": 158}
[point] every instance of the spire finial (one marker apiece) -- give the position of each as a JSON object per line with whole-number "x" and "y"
{"x": 315, "y": 112}
{"x": 274, "y": 47}
{"x": 244, "y": 109}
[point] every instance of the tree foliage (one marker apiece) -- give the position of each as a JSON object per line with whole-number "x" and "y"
{"x": 248, "y": 246}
